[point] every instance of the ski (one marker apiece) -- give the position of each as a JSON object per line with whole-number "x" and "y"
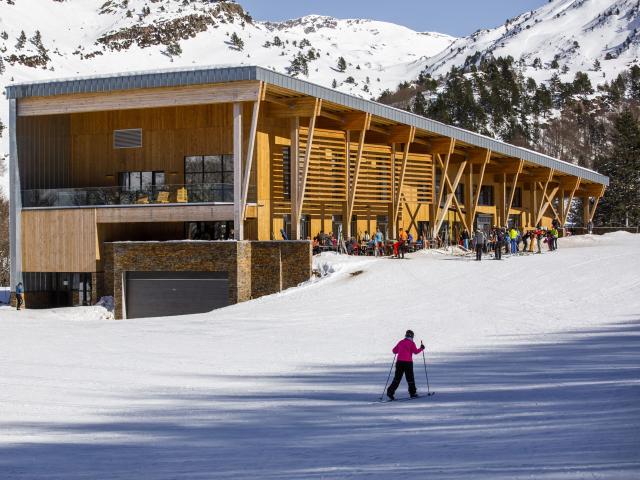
{"x": 406, "y": 399}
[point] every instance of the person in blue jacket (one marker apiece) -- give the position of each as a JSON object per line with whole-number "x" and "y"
{"x": 19, "y": 296}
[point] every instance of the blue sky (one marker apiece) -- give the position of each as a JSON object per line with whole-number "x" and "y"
{"x": 455, "y": 17}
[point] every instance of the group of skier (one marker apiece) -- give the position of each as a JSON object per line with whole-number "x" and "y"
{"x": 511, "y": 240}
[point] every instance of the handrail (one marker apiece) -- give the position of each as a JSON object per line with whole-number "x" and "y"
{"x": 103, "y": 196}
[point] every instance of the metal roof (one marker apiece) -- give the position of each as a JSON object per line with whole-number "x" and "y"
{"x": 218, "y": 74}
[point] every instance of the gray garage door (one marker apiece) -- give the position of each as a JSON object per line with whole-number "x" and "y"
{"x": 160, "y": 294}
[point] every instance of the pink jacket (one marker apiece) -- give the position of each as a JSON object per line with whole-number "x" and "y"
{"x": 405, "y": 349}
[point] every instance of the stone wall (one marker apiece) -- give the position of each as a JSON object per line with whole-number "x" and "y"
{"x": 254, "y": 269}
{"x": 297, "y": 262}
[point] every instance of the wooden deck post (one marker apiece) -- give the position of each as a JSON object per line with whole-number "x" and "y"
{"x": 250, "y": 151}
{"x": 238, "y": 214}
{"x": 356, "y": 170}
{"x": 403, "y": 170}
{"x": 295, "y": 176}
{"x": 307, "y": 158}
{"x": 468, "y": 197}
{"x": 513, "y": 190}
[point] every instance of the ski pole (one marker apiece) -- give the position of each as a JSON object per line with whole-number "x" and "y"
{"x": 424, "y": 360}
{"x": 388, "y": 377}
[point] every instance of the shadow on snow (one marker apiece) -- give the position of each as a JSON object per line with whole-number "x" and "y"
{"x": 563, "y": 409}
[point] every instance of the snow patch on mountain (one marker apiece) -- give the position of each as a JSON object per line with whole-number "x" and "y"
{"x": 563, "y": 36}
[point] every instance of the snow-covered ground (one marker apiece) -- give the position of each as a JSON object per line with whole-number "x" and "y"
{"x": 534, "y": 360}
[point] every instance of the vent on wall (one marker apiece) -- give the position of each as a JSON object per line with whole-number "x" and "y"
{"x": 130, "y": 138}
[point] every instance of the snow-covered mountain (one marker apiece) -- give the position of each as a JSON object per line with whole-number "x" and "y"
{"x": 566, "y": 36}
{"x": 80, "y": 37}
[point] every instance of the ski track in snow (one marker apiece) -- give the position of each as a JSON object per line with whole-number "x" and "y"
{"x": 534, "y": 360}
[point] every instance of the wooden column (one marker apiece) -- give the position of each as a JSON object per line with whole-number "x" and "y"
{"x": 250, "y": 154}
{"x": 295, "y": 177}
{"x": 307, "y": 158}
{"x": 503, "y": 215}
{"x": 586, "y": 211}
{"x": 403, "y": 170}
{"x": 567, "y": 210}
{"x": 485, "y": 158}
{"x": 347, "y": 181}
{"x": 238, "y": 214}
{"x": 468, "y": 197}
{"x": 392, "y": 224}
{"x": 561, "y": 206}
{"x": 366, "y": 120}
{"x": 513, "y": 190}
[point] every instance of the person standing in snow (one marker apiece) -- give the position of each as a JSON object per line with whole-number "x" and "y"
{"x": 539, "y": 239}
{"x": 19, "y": 296}
{"x": 513, "y": 235}
{"x": 498, "y": 244}
{"x": 379, "y": 245}
{"x": 405, "y": 350}
{"x": 465, "y": 239}
{"x": 401, "y": 244}
{"x": 479, "y": 239}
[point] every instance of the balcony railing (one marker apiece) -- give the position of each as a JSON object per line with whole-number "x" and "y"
{"x": 104, "y": 196}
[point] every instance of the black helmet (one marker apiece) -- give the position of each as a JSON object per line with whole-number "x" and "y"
{"x": 409, "y": 333}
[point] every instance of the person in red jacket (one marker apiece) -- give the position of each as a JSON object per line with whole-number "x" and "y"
{"x": 405, "y": 350}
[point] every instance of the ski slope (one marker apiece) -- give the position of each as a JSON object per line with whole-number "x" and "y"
{"x": 534, "y": 360}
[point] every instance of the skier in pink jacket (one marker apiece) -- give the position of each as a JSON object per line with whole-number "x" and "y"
{"x": 405, "y": 350}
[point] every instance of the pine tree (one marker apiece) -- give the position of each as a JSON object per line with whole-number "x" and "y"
{"x": 342, "y": 64}
{"x": 582, "y": 84}
{"x": 22, "y": 40}
{"x": 237, "y": 42}
{"x": 420, "y": 105}
{"x": 334, "y": 84}
{"x": 621, "y": 202}
{"x": 634, "y": 77}
{"x": 299, "y": 65}
{"x": 596, "y": 65}
{"x": 173, "y": 50}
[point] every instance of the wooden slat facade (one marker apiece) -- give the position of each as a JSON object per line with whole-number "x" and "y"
{"x": 59, "y": 240}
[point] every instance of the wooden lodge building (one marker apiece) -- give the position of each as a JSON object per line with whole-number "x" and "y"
{"x": 244, "y": 153}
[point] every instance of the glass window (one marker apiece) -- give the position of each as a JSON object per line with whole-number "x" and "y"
{"x": 227, "y": 178}
{"x": 134, "y": 180}
{"x": 192, "y": 178}
{"x": 123, "y": 180}
{"x": 212, "y": 163}
{"x": 193, "y": 164}
{"x": 209, "y": 169}
{"x": 158, "y": 179}
{"x": 146, "y": 180}
{"x": 486, "y": 196}
{"x": 517, "y": 198}
{"x": 227, "y": 163}
{"x": 211, "y": 178}
{"x": 460, "y": 193}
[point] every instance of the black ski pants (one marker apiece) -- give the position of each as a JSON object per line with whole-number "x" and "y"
{"x": 19, "y": 301}
{"x": 406, "y": 369}
{"x": 479, "y": 252}
{"x": 498, "y": 251}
